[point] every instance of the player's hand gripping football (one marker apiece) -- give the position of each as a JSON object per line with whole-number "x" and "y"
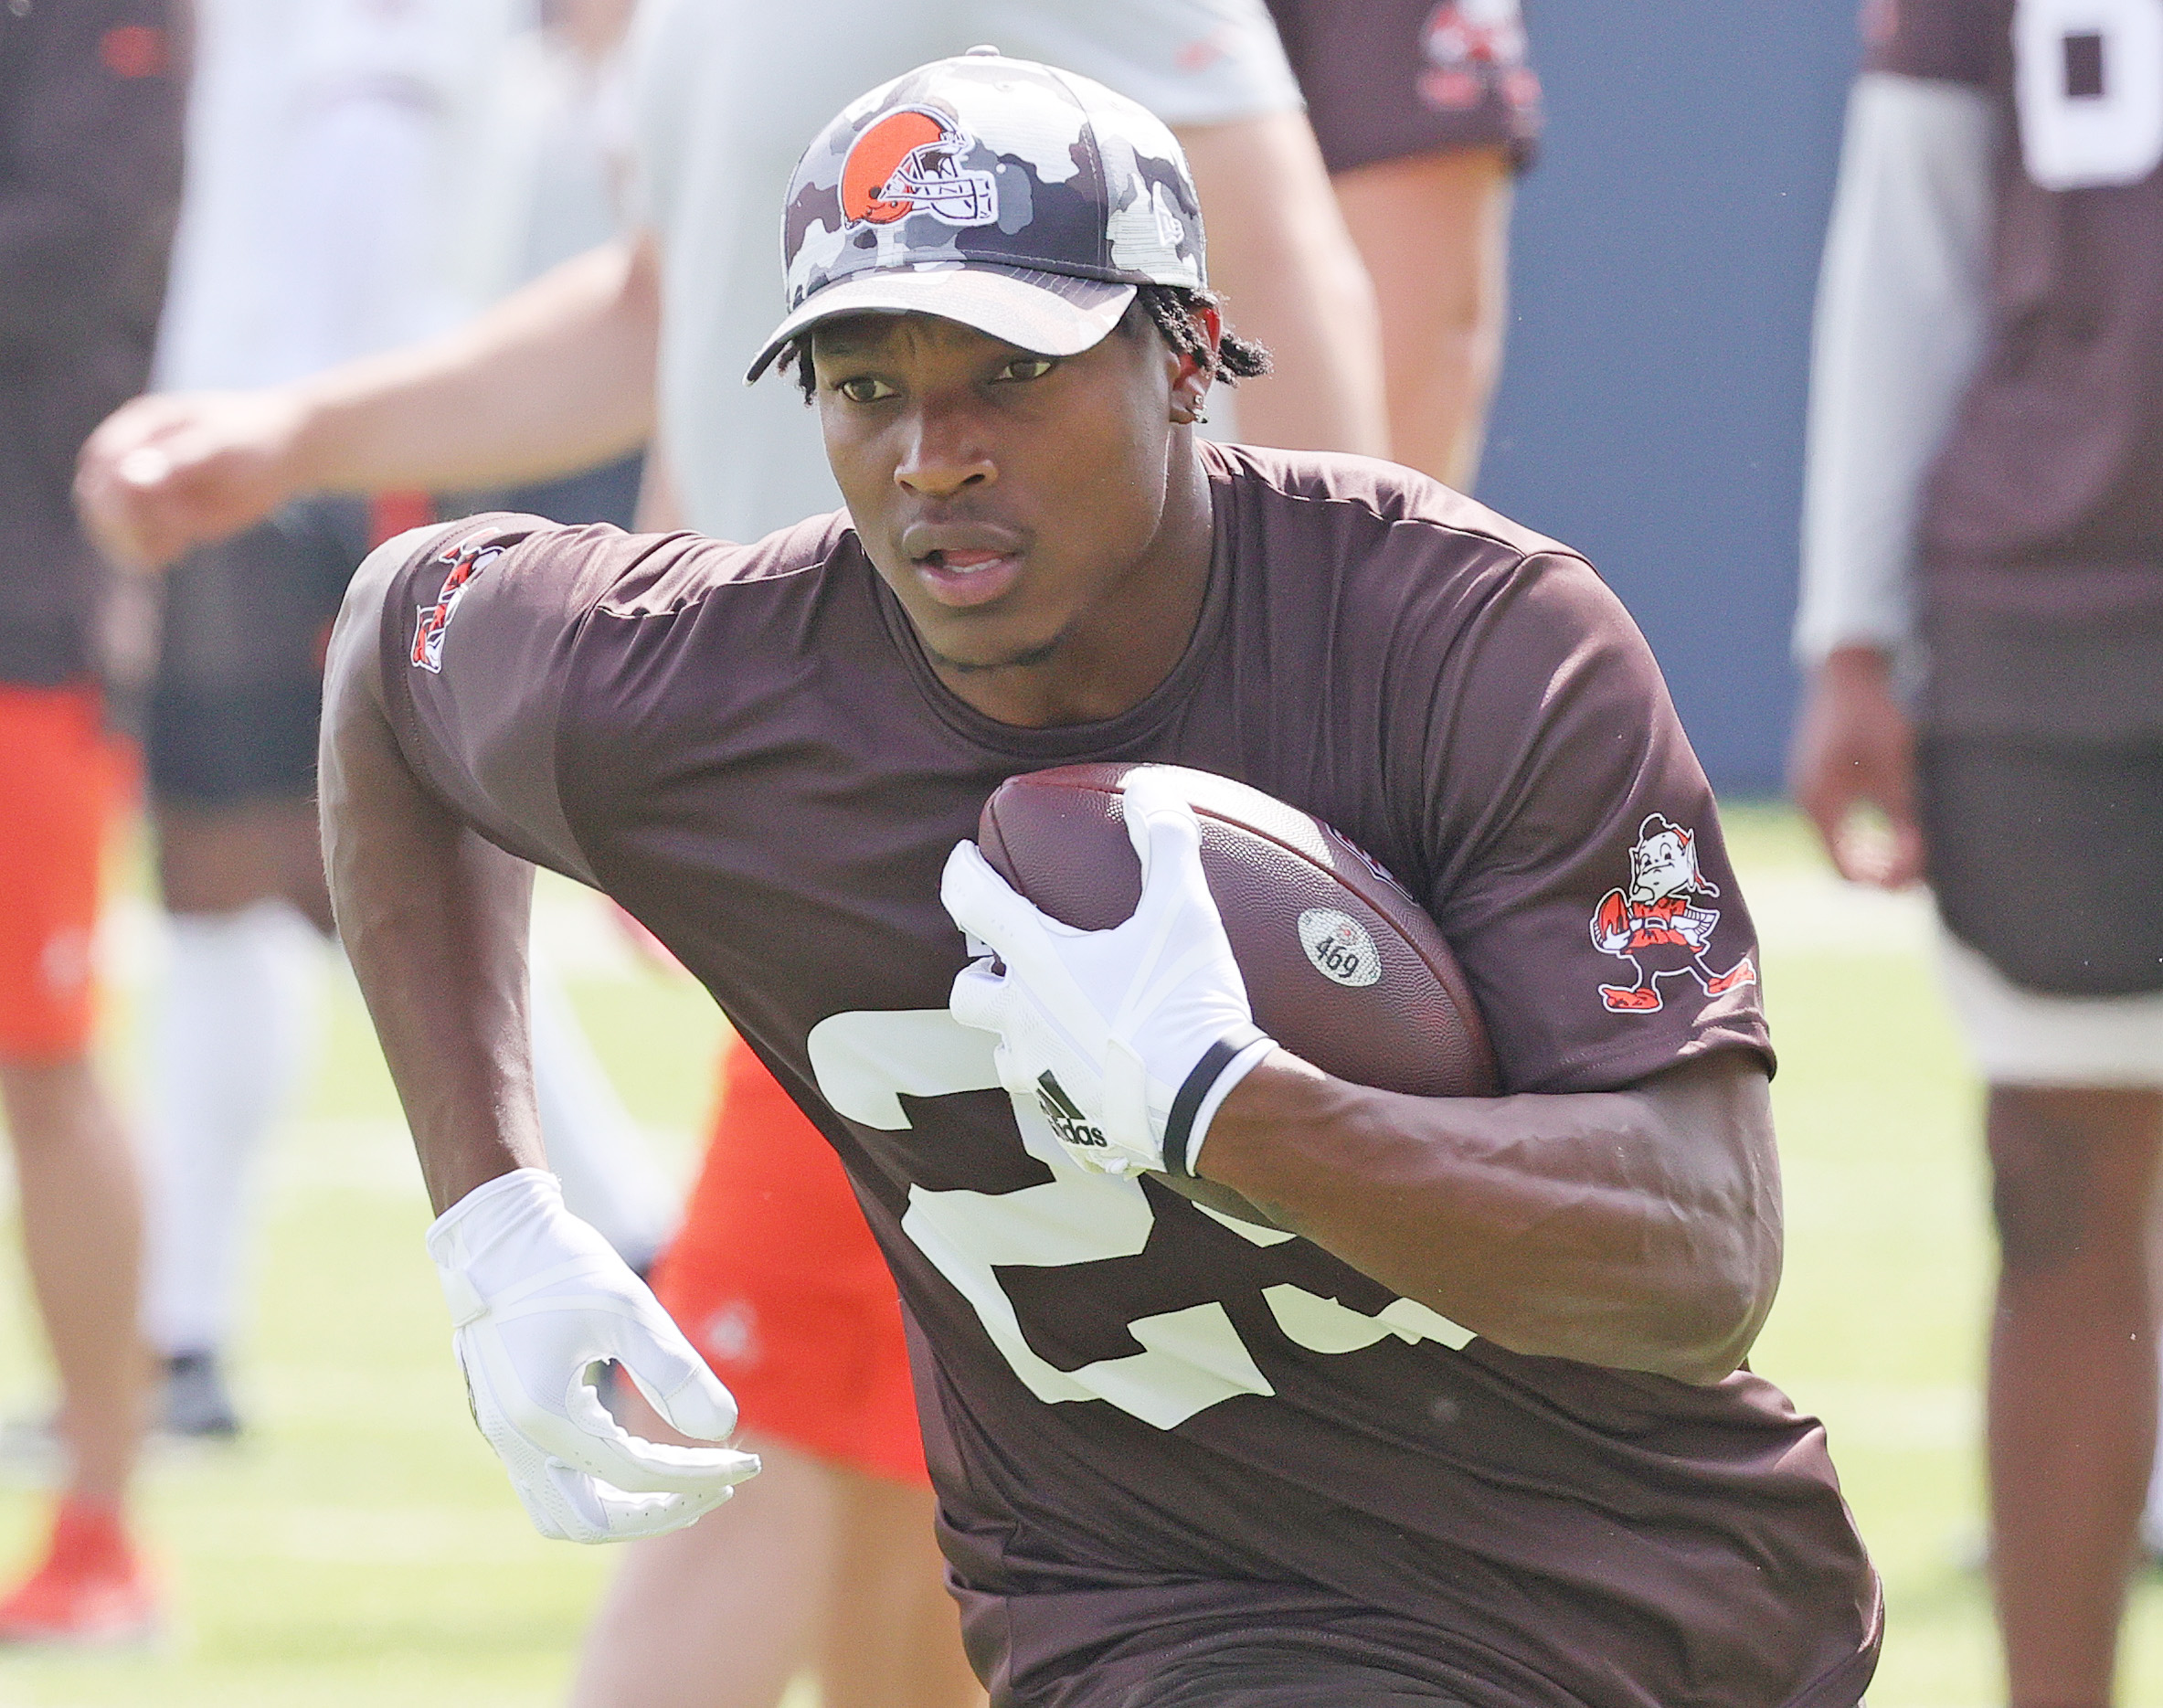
{"x": 538, "y": 1297}
{"x": 1130, "y": 1039}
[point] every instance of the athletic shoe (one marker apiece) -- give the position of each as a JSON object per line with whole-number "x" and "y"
{"x": 91, "y": 1591}
{"x": 195, "y": 1403}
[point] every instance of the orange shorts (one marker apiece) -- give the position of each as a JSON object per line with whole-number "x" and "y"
{"x": 777, "y": 1280}
{"x": 62, "y": 780}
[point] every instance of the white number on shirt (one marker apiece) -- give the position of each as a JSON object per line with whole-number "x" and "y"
{"x": 1191, "y": 1359}
{"x": 2088, "y": 76}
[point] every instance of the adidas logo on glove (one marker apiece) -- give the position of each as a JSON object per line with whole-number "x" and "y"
{"x": 1069, "y": 1122}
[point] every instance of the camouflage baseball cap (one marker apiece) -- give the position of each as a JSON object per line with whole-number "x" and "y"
{"x": 1019, "y": 199}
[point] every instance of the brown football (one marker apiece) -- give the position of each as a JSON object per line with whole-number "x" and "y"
{"x": 1343, "y": 968}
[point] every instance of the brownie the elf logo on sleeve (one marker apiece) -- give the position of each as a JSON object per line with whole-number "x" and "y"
{"x": 465, "y": 562}
{"x": 1655, "y": 927}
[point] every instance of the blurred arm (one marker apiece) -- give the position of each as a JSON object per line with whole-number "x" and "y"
{"x": 1901, "y": 308}
{"x": 1280, "y": 251}
{"x": 434, "y": 920}
{"x": 556, "y": 377}
{"x": 1636, "y": 1229}
{"x": 1901, "y": 302}
{"x": 1434, "y": 230}
{"x": 660, "y": 500}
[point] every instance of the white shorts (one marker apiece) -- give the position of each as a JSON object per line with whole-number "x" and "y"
{"x": 726, "y": 94}
{"x": 2022, "y": 1038}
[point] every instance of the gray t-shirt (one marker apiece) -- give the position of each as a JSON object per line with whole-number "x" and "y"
{"x": 728, "y": 94}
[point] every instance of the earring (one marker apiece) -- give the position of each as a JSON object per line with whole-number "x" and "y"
{"x": 1194, "y": 416}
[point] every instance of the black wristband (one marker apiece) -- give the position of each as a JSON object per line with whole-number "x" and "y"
{"x": 1178, "y": 1127}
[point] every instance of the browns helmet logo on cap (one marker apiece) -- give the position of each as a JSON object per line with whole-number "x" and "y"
{"x": 910, "y": 161}
{"x": 1057, "y": 196}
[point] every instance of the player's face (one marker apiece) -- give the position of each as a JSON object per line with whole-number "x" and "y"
{"x": 1040, "y": 519}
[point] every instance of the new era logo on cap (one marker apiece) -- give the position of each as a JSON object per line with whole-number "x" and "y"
{"x": 1055, "y": 197}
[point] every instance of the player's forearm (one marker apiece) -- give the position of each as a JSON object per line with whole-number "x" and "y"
{"x": 1636, "y": 1229}
{"x": 1279, "y": 249}
{"x": 556, "y": 377}
{"x": 434, "y": 920}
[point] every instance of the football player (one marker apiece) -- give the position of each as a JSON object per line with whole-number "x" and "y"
{"x": 1982, "y": 617}
{"x": 1476, "y": 1433}
{"x": 89, "y": 185}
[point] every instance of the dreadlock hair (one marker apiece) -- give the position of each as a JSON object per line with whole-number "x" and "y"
{"x": 1169, "y": 308}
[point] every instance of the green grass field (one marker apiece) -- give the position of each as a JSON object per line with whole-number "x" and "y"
{"x": 361, "y": 1547}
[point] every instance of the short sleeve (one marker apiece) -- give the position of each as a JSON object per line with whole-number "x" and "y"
{"x": 479, "y": 624}
{"x": 1952, "y": 41}
{"x": 1390, "y": 79}
{"x": 1580, "y": 872}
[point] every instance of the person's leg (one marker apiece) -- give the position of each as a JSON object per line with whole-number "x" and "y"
{"x": 1279, "y": 252}
{"x": 2061, "y": 1012}
{"x": 721, "y": 1615}
{"x": 892, "y": 1636}
{"x": 230, "y": 746}
{"x": 827, "y": 1556}
{"x": 80, "y": 1207}
{"x": 2073, "y": 1377}
{"x": 2151, "y": 1514}
{"x": 234, "y": 1032}
{"x": 219, "y": 861}
{"x": 1434, "y": 230}
{"x": 82, "y": 1238}
{"x": 609, "y": 1174}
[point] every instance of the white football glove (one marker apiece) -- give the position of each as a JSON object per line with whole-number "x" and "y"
{"x": 538, "y": 1297}
{"x": 1130, "y": 1039}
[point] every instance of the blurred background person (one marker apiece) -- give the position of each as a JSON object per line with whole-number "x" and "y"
{"x": 360, "y": 175}
{"x": 1425, "y": 110}
{"x": 91, "y": 117}
{"x": 1982, "y": 619}
{"x": 717, "y": 133}
{"x": 828, "y": 1556}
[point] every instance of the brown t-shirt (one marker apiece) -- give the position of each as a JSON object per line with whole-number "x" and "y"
{"x": 2041, "y": 535}
{"x": 92, "y": 97}
{"x": 1388, "y": 78}
{"x": 1151, "y": 1429}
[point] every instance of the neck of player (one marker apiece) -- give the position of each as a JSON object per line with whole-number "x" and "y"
{"x": 1119, "y": 647}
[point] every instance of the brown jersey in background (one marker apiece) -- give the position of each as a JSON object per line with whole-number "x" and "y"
{"x": 2042, "y": 537}
{"x": 1153, "y": 1432}
{"x": 1386, "y": 78}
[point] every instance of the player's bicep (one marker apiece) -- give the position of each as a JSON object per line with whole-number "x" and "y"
{"x": 475, "y": 628}
{"x": 1583, "y": 879}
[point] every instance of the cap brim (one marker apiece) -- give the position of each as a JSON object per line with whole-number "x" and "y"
{"x": 1050, "y": 313}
